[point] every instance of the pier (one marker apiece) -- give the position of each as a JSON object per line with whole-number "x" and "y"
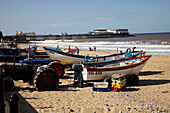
{"x": 98, "y": 33}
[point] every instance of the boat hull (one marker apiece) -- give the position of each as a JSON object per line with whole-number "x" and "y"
{"x": 11, "y": 58}
{"x": 100, "y": 73}
{"x": 68, "y": 58}
{"x": 65, "y": 59}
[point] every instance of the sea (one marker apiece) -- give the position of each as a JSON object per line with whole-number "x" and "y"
{"x": 152, "y": 44}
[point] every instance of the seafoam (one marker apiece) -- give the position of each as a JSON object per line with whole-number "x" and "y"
{"x": 152, "y": 47}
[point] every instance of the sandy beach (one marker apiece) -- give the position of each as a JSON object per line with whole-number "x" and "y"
{"x": 151, "y": 95}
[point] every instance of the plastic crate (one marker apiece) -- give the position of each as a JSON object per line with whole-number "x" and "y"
{"x": 115, "y": 89}
{"x": 115, "y": 82}
{"x": 99, "y": 89}
{"x": 119, "y": 79}
{"x": 101, "y": 84}
{"x": 118, "y": 86}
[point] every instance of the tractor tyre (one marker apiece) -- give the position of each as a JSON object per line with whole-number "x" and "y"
{"x": 8, "y": 85}
{"x": 134, "y": 79}
{"x": 46, "y": 80}
{"x": 58, "y": 67}
{"x": 128, "y": 81}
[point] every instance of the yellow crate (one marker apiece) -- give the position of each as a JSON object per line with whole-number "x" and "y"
{"x": 119, "y": 82}
{"x": 113, "y": 84}
{"x": 118, "y": 86}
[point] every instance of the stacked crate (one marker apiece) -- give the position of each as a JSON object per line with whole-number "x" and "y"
{"x": 100, "y": 86}
{"x": 118, "y": 83}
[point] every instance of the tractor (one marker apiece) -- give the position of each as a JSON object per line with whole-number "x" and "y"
{"x": 43, "y": 78}
{"x": 47, "y": 63}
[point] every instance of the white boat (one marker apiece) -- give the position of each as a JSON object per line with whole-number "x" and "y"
{"x": 68, "y": 58}
{"x": 126, "y": 67}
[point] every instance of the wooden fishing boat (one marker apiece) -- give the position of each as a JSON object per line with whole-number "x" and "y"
{"x": 68, "y": 58}
{"x": 101, "y": 63}
{"x": 12, "y": 58}
{"x": 11, "y": 54}
{"x": 128, "y": 67}
{"x": 9, "y": 50}
{"x": 5, "y": 50}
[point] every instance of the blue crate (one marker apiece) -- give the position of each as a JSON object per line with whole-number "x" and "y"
{"x": 99, "y": 89}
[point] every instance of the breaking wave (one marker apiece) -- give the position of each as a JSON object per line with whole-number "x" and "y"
{"x": 152, "y": 47}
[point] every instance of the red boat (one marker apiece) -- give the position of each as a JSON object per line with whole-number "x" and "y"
{"x": 70, "y": 50}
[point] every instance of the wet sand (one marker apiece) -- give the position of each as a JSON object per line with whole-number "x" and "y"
{"x": 151, "y": 95}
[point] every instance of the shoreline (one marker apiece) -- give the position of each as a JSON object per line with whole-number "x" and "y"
{"x": 94, "y": 53}
{"x": 155, "y": 44}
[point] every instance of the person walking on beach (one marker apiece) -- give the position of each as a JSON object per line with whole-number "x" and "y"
{"x": 94, "y": 48}
{"x": 57, "y": 46}
{"x": 133, "y": 50}
{"x": 77, "y": 50}
{"x": 90, "y": 49}
{"x": 69, "y": 48}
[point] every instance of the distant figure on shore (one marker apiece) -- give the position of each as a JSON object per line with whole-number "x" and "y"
{"x": 94, "y": 48}
{"x": 90, "y": 49}
{"x": 57, "y": 46}
{"x": 69, "y": 48}
{"x": 133, "y": 49}
{"x": 77, "y": 50}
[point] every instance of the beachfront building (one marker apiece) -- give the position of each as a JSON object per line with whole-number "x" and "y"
{"x": 114, "y": 31}
{"x": 25, "y": 34}
{"x": 120, "y": 31}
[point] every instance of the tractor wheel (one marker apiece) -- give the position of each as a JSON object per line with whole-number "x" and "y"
{"x": 46, "y": 80}
{"x": 8, "y": 85}
{"x": 58, "y": 67}
{"x": 128, "y": 81}
{"x": 134, "y": 79}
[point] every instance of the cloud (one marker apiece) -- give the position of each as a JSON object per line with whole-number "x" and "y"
{"x": 105, "y": 18}
{"x": 56, "y": 25}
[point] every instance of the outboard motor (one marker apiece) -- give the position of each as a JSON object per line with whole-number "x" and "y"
{"x": 31, "y": 52}
{"x": 78, "y": 77}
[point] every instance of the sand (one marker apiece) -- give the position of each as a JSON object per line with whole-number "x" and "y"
{"x": 151, "y": 95}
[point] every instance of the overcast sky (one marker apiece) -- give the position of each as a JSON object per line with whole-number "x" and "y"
{"x": 82, "y": 16}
